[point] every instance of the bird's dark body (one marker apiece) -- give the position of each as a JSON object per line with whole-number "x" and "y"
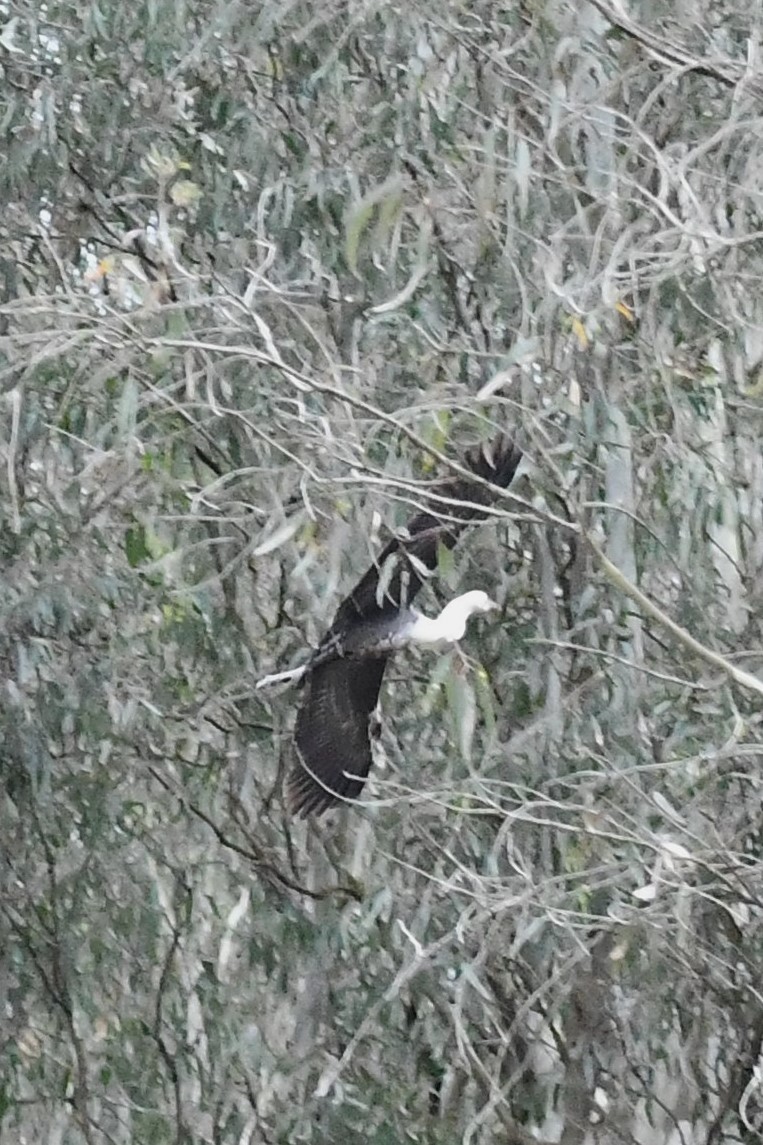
{"x": 344, "y": 675}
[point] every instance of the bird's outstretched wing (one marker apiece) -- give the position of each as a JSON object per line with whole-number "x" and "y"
{"x": 495, "y": 462}
{"x": 332, "y": 733}
{"x": 341, "y": 691}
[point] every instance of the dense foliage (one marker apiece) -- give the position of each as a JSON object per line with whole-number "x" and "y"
{"x": 265, "y": 271}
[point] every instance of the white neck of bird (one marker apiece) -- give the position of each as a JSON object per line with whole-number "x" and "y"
{"x": 446, "y": 628}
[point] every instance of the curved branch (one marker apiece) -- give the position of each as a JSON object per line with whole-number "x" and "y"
{"x": 619, "y": 580}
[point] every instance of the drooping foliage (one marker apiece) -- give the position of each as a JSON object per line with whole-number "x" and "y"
{"x": 265, "y": 271}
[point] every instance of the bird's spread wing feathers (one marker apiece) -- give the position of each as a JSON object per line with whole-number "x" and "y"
{"x": 402, "y": 566}
{"x": 332, "y": 734}
{"x": 331, "y": 737}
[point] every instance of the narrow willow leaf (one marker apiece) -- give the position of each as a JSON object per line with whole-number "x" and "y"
{"x": 463, "y": 708}
{"x": 127, "y": 414}
{"x": 359, "y": 217}
{"x": 279, "y": 536}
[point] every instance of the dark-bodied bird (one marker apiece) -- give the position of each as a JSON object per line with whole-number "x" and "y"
{"x": 344, "y": 675}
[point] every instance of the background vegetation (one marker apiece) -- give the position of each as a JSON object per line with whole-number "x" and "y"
{"x": 265, "y": 271}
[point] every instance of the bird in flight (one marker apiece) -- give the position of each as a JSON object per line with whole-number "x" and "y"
{"x": 343, "y": 677}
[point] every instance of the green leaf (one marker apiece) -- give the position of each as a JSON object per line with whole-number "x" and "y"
{"x": 463, "y": 710}
{"x": 446, "y": 565}
{"x": 279, "y": 535}
{"x": 437, "y": 678}
{"x": 356, "y": 224}
{"x": 127, "y": 414}
{"x": 485, "y": 699}
{"x": 387, "y": 195}
{"x": 136, "y": 548}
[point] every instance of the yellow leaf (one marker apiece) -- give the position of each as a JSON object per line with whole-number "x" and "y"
{"x": 625, "y": 311}
{"x": 105, "y": 266}
{"x": 579, "y": 331}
